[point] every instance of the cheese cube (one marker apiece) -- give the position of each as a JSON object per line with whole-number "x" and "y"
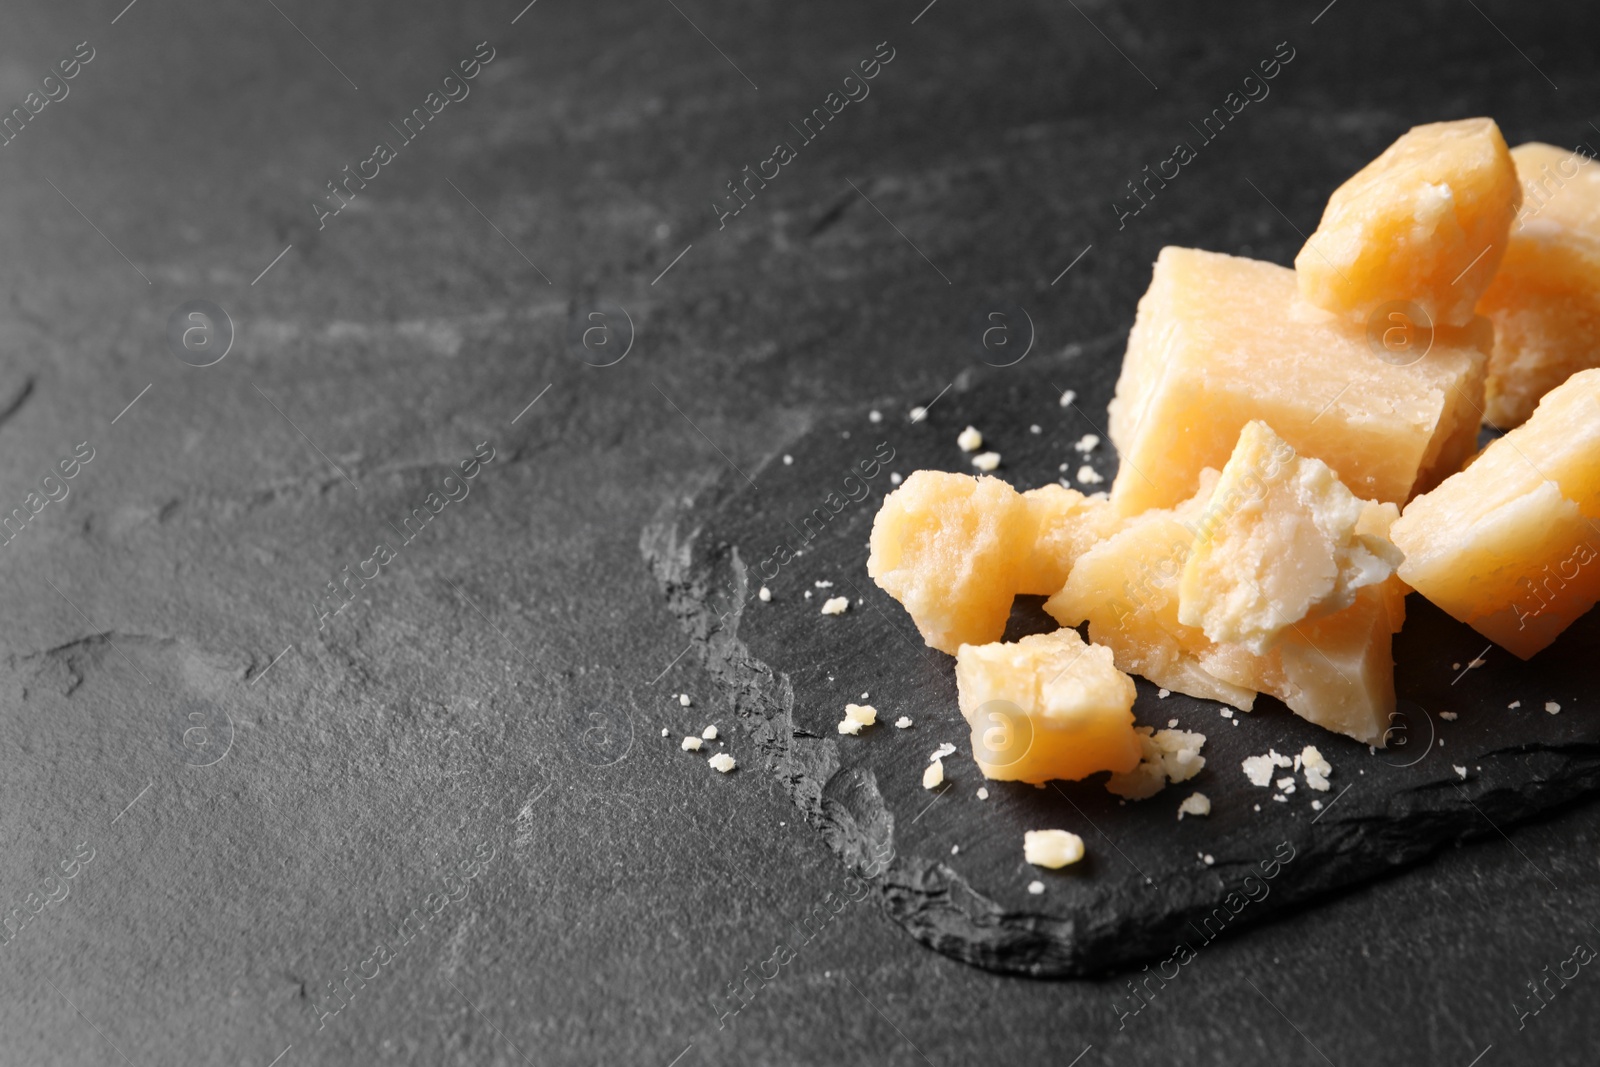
{"x": 1221, "y": 340}
{"x": 1508, "y": 546}
{"x": 1281, "y": 540}
{"x": 1047, "y": 706}
{"x": 1424, "y": 223}
{"x": 1545, "y": 298}
{"x": 1336, "y": 671}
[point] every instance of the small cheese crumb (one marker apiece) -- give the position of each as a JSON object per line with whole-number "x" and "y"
{"x": 1087, "y": 443}
{"x": 1036, "y": 428}
{"x": 850, "y": 726}
{"x": 954, "y": 849}
{"x": 1051, "y": 848}
{"x": 822, "y": 583}
{"x": 1462, "y": 771}
{"x": 894, "y": 478}
{"x": 1163, "y": 693}
{"x": 1036, "y": 887}
{"x": 986, "y": 461}
{"x": 1089, "y": 476}
{"x": 1208, "y": 859}
{"x": 1316, "y": 805}
{"x": 691, "y": 744}
{"x": 933, "y": 777}
{"x": 983, "y": 792}
{"x": 1067, "y": 398}
{"x": 764, "y": 595}
{"x": 1448, "y": 716}
{"x": 903, "y": 723}
{"x": 1227, "y": 713}
{"x": 1552, "y": 707}
{"x": 1316, "y": 768}
{"x": 1259, "y": 768}
{"x": 1172, "y": 723}
{"x": 788, "y": 460}
{"x": 709, "y": 733}
{"x": 1476, "y": 663}
{"x": 1514, "y": 704}
{"x": 665, "y": 731}
{"x": 919, "y": 413}
{"x": 837, "y": 605}
{"x": 865, "y": 695}
{"x": 683, "y": 699}
{"x": 1196, "y": 804}
{"x": 874, "y": 415}
{"x": 1280, "y": 798}
{"x": 865, "y": 714}
{"x": 1285, "y": 785}
{"x": 970, "y": 439}
{"x": 942, "y": 751}
{"x": 723, "y": 762}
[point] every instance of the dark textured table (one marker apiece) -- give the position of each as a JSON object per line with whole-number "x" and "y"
{"x": 426, "y": 814}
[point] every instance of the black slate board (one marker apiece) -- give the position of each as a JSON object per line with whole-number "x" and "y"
{"x": 1144, "y": 893}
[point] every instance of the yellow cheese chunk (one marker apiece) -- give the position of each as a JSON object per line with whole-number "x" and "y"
{"x": 955, "y": 550}
{"x": 1221, "y": 340}
{"x": 1424, "y": 223}
{"x": 1336, "y": 671}
{"x": 1283, "y": 540}
{"x": 1508, "y": 546}
{"x": 1048, "y": 706}
{"x": 1545, "y": 298}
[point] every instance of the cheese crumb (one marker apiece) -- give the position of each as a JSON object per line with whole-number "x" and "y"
{"x": 942, "y": 751}
{"x": 788, "y": 460}
{"x": 986, "y": 461}
{"x": 1172, "y": 722}
{"x": 865, "y": 714}
{"x": 933, "y": 777}
{"x": 1514, "y": 704}
{"x": 903, "y": 723}
{"x": 822, "y": 583}
{"x": 1208, "y": 859}
{"x": 1089, "y": 476}
{"x": 1285, "y": 785}
{"x": 723, "y": 762}
{"x": 837, "y": 605}
{"x": 1552, "y": 707}
{"x": 850, "y": 726}
{"x": 765, "y": 595}
{"x": 665, "y": 731}
{"x": 1087, "y": 443}
{"x": 983, "y": 792}
{"x": 970, "y": 439}
{"x": 683, "y": 699}
{"x": 894, "y": 478}
{"x": 1196, "y": 804}
{"x": 1051, "y": 848}
{"x": 1462, "y": 771}
{"x": 954, "y": 849}
{"x": 1316, "y": 768}
{"x": 1448, "y": 716}
{"x": 1067, "y": 398}
{"x": 1036, "y": 887}
{"x": 1036, "y": 428}
{"x": 691, "y": 744}
{"x": 1259, "y": 768}
{"x": 874, "y": 415}
{"x": 1163, "y": 693}
{"x": 1476, "y": 663}
{"x": 919, "y": 413}
{"x": 709, "y": 733}
{"x": 1167, "y": 755}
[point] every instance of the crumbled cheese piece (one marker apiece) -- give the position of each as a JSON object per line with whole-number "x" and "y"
{"x": 970, "y": 439}
{"x": 903, "y": 723}
{"x": 1552, "y": 707}
{"x": 850, "y": 726}
{"x": 1089, "y": 476}
{"x": 1476, "y": 663}
{"x": 765, "y": 595}
{"x": 709, "y": 733}
{"x": 1087, "y": 443}
{"x": 986, "y": 461}
{"x": 691, "y": 744}
{"x": 894, "y": 478}
{"x": 1462, "y": 771}
{"x": 865, "y": 695}
{"x": 1280, "y": 798}
{"x": 808, "y": 594}
{"x": 1285, "y": 785}
{"x": 1036, "y": 887}
{"x": 683, "y": 699}
{"x": 1316, "y": 805}
{"x": 788, "y": 460}
{"x": 1227, "y": 713}
{"x": 1180, "y": 753}
{"x": 1051, "y": 848}
{"x": 1455, "y": 666}
{"x": 1172, "y": 722}
{"x": 865, "y": 714}
{"x": 874, "y": 415}
{"x": 954, "y": 849}
{"x": 1208, "y": 859}
{"x": 919, "y": 413}
{"x": 1448, "y": 716}
{"x": 933, "y": 777}
{"x": 942, "y": 751}
{"x": 1514, "y": 704}
{"x": 723, "y": 762}
{"x": 1036, "y": 428}
{"x": 837, "y": 605}
{"x": 1316, "y": 768}
{"x": 1163, "y": 693}
{"x": 1167, "y": 755}
{"x": 1196, "y": 804}
{"x": 1259, "y": 768}
{"x": 665, "y": 731}
{"x": 822, "y": 583}
{"x": 1067, "y": 398}
{"x": 983, "y": 792}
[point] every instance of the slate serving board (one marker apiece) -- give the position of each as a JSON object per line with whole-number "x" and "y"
{"x": 1145, "y": 893}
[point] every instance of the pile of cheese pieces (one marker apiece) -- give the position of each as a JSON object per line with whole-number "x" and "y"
{"x": 1272, "y": 425}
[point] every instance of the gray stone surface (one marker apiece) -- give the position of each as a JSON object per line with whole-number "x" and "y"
{"x": 505, "y": 681}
